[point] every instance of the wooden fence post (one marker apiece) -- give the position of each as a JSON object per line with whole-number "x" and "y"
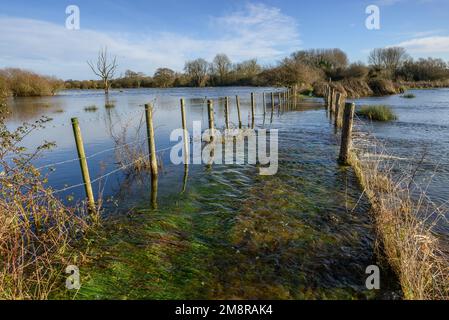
{"x": 279, "y": 102}
{"x": 329, "y": 98}
{"x": 227, "y": 112}
{"x": 264, "y": 104}
{"x": 237, "y": 100}
{"x": 337, "y": 110}
{"x": 346, "y": 134}
{"x": 253, "y": 110}
{"x": 272, "y": 106}
{"x": 151, "y": 141}
{"x": 210, "y": 111}
{"x": 185, "y": 133}
{"x": 83, "y": 164}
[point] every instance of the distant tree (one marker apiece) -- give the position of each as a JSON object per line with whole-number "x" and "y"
{"x": 221, "y": 67}
{"x": 105, "y": 68}
{"x": 248, "y": 68}
{"x": 133, "y": 79}
{"x": 164, "y": 77}
{"x": 326, "y": 59}
{"x": 389, "y": 59}
{"x": 424, "y": 70}
{"x": 197, "y": 71}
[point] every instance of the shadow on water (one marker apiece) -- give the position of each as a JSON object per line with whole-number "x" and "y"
{"x": 229, "y": 233}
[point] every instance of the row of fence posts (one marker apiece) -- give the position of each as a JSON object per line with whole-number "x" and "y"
{"x": 343, "y": 116}
{"x": 286, "y": 100}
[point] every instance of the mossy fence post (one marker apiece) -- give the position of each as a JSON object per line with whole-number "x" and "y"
{"x": 346, "y": 134}
{"x": 151, "y": 141}
{"x": 185, "y": 133}
{"x": 210, "y": 112}
{"x": 83, "y": 164}
{"x": 237, "y": 101}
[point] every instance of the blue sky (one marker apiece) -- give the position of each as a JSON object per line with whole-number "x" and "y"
{"x": 150, "y": 34}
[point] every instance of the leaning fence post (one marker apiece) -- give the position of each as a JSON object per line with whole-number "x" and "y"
{"x": 237, "y": 101}
{"x": 185, "y": 133}
{"x": 83, "y": 164}
{"x": 253, "y": 110}
{"x": 346, "y": 134}
{"x": 210, "y": 111}
{"x": 151, "y": 141}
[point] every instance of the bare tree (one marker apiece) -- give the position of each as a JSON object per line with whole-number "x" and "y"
{"x": 221, "y": 67}
{"x": 390, "y": 59}
{"x": 197, "y": 71}
{"x": 104, "y": 68}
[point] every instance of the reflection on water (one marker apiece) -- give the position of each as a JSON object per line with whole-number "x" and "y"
{"x": 420, "y": 138}
{"x": 221, "y": 231}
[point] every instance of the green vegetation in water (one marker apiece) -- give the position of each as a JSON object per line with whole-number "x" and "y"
{"x": 377, "y": 113}
{"x": 109, "y": 105}
{"x": 408, "y": 96}
{"x": 268, "y": 243}
{"x": 92, "y": 108}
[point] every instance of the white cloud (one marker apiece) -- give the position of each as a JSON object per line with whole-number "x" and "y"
{"x": 427, "y": 45}
{"x": 258, "y": 31}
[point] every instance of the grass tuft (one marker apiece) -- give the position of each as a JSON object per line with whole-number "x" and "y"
{"x": 377, "y": 113}
{"x": 408, "y": 96}
{"x": 92, "y": 108}
{"x": 109, "y": 105}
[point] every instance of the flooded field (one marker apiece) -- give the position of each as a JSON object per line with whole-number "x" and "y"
{"x": 304, "y": 233}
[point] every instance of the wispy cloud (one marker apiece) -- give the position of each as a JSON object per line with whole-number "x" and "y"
{"x": 427, "y": 45}
{"x": 257, "y": 31}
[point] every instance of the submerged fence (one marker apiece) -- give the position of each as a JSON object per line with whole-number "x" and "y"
{"x": 273, "y": 102}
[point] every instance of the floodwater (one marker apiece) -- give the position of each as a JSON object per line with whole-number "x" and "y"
{"x": 220, "y": 232}
{"x": 419, "y": 143}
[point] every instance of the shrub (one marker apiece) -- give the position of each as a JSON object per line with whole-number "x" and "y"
{"x": 23, "y": 83}
{"x": 377, "y": 113}
{"x": 37, "y": 231}
{"x": 408, "y": 96}
{"x": 382, "y": 87}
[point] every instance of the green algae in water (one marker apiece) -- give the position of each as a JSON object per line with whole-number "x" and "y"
{"x": 303, "y": 234}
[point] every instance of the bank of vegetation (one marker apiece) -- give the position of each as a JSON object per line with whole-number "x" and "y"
{"x": 38, "y": 233}
{"x": 23, "y": 83}
{"x": 404, "y": 224}
{"x": 389, "y": 71}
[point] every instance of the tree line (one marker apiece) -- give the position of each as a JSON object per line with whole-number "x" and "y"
{"x": 309, "y": 69}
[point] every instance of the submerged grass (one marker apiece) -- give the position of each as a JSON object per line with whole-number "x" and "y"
{"x": 403, "y": 226}
{"x": 408, "y": 96}
{"x": 269, "y": 238}
{"x": 377, "y": 113}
